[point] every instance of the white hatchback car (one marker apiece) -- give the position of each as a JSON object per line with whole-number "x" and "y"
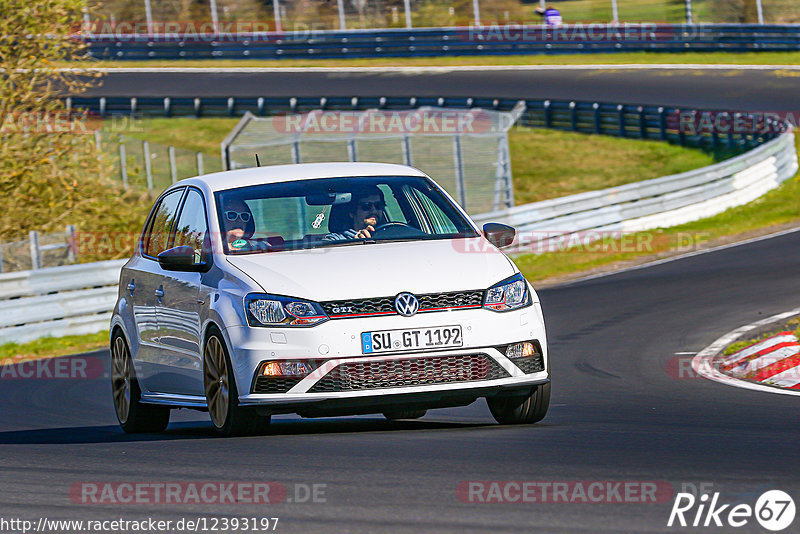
{"x": 322, "y": 289}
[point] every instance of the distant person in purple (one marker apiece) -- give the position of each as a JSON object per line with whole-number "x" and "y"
{"x": 552, "y": 16}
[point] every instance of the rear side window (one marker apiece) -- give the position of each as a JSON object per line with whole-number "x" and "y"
{"x": 192, "y": 229}
{"x": 161, "y": 223}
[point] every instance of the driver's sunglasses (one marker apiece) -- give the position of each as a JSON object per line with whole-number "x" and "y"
{"x": 233, "y": 215}
{"x": 379, "y": 205}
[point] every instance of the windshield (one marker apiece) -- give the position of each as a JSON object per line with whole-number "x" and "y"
{"x": 336, "y": 211}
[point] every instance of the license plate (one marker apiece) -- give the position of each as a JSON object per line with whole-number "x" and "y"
{"x": 412, "y": 339}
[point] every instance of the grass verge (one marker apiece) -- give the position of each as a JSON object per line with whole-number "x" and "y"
{"x": 50, "y": 347}
{"x": 622, "y": 58}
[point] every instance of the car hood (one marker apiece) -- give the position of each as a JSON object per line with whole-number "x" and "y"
{"x": 378, "y": 269}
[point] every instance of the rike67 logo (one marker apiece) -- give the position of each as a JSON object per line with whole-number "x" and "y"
{"x": 774, "y": 510}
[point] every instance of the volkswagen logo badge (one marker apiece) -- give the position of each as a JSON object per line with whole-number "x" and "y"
{"x": 406, "y": 304}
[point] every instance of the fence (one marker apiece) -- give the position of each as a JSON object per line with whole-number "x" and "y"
{"x": 281, "y": 15}
{"x": 39, "y": 251}
{"x": 475, "y": 40}
{"x": 153, "y": 166}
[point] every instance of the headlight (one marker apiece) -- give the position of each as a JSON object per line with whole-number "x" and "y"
{"x": 510, "y": 294}
{"x": 274, "y": 310}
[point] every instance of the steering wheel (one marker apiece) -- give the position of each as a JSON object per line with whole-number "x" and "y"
{"x": 390, "y": 225}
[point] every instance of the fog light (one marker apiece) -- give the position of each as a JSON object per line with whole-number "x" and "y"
{"x": 520, "y": 350}
{"x": 287, "y": 368}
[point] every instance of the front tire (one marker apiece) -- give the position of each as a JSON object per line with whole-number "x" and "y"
{"x": 134, "y": 417}
{"x": 511, "y": 409}
{"x": 222, "y": 397}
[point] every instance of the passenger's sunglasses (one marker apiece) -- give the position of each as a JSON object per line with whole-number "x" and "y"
{"x": 233, "y": 215}
{"x": 364, "y": 206}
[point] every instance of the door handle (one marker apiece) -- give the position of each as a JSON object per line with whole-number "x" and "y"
{"x": 159, "y": 292}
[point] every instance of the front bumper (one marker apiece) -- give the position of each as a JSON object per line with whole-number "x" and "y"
{"x": 337, "y": 343}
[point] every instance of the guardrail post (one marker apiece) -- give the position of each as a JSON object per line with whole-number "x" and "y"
{"x": 642, "y": 123}
{"x": 548, "y": 114}
{"x": 167, "y": 106}
{"x": 173, "y": 168}
{"x": 260, "y": 106}
{"x": 621, "y": 119}
{"x": 200, "y": 164}
{"x": 123, "y": 163}
{"x": 461, "y": 193}
{"x": 198, "y": 107}
{"x": 573, "y": 112}
{"x": 352, "y": 154}
{"x": 296, "y": 151}
{"x": 231, "y": 104}
{"x": 72, "y": 244}
{"x": 598, "y": 123}
{"x": 103, "y": 107}
{"x": 148, "y": 165}
{"x": 134, "y": 104}
{"x": 406, "y": 150}
{"x": 36, "y": 253}
{"x": 662, "y": 123}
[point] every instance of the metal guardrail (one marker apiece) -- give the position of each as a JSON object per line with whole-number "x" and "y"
{"x": 426, "y": 42}
{"x": 661, "y": 123}
{"x": 661, "y": 202}
{"x": 58, "y": 301}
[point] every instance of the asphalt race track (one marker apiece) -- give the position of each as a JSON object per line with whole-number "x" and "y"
{"x": 619, "y": 411}
{"x": 741, "y": 90}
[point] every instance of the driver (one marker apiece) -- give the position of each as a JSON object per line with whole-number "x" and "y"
{"x": 366, "y": 212}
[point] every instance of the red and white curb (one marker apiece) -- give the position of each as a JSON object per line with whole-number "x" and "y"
{"x": 771, "y": 365}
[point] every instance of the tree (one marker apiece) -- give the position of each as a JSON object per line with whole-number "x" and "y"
{"x": 50, "y": 173}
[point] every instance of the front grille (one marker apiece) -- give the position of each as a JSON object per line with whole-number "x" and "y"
{"x": 270, "y": 384}
{"x": 409, "y": 372}
{"x": 454, "y": 300}
{"x": 531, "y": 364}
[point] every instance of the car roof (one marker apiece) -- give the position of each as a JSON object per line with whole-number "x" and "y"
{"x": 220, "y": 181}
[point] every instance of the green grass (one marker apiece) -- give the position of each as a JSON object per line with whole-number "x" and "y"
{"x": 49, "y": 347}
{"x": 548, "y": 164}
{"x": 702, "y": 58}
{"x": 198, "y": 135}
{"x": 780, "y": 206}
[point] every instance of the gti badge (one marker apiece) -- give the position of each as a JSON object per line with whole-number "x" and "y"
{"x": 406, "y": 304}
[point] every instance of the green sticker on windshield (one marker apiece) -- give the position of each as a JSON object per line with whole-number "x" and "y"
{"x": 239, "y": 243}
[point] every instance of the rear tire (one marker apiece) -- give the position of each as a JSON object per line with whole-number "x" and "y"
{"x": 227, "y": 416}
{"x": 510, "y": 409}
{"x": 134, "y": 417}
{"x": 393, "y": 415}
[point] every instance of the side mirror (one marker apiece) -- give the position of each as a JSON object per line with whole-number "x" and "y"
{"x": 499, "y": 235}
{"x": 181, "y": 259}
